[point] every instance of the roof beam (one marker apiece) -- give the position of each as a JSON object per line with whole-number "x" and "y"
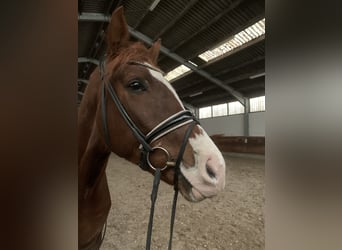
{"x": 241, "y": 65}
{"x": 237, "y": 30}
{"x": 98, "y": 41}
{"x": 245, "y": 76}
{"x": 201, "y": 101}
{"x": 93, "y": 17}
{"x": 238, "y": 49}
{"x": 181, "y": 60}
{"x": 150, "y": 8}
{"x": 183, "y": 85}
{"x": 214, "y": 20}
{"x": 257, "y": 85}
{"x": 176, "y": 19}
{"x": 146, "y": 39}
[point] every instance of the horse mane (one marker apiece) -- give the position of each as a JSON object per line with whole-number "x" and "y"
{"x": 89, "y": 107}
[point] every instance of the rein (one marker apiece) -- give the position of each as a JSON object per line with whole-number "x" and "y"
{"x": 170, "y": 124}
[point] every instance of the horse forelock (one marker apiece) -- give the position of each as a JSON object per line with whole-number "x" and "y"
{"x": 135, "y": 51}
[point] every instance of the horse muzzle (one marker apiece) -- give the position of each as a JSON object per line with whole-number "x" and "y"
{"x": 207, "y": 177}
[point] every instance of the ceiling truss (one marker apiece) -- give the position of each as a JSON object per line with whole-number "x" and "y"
{"x": 97, "y": 17}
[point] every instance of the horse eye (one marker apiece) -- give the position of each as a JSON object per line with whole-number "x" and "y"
{"x": 137, "y": 86}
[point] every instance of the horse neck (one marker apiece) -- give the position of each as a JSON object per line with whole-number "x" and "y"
{"x": 92, "y": 164}
{"x": 92, "y": 150}
{"x": 87, "y": 113}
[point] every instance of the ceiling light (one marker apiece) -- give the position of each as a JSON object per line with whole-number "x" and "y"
{"x": 180, "y": 70}
{"x": 153, "y": 5}
{"x": 196, "y": 94}
{"x": 257, "y": 75}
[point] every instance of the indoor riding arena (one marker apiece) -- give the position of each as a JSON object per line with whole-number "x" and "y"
{"x": 212, "y": 53}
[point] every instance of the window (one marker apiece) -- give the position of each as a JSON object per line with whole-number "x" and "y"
{"x": 257, "y": 104}
{"x": 235, "y": 108}
{"x": 220, "y": 110}
{"x": 205, "y": 112}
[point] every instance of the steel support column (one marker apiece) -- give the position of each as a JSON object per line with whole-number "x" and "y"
{"x": 246, "y": 118}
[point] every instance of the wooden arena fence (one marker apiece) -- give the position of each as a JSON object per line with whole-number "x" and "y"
{"x": 240, "y": 144}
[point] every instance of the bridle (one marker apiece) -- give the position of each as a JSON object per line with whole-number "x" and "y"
{"x": 168, "y": 125}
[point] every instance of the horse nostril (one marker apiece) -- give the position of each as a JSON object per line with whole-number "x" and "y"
{"x": 210, "y": 172}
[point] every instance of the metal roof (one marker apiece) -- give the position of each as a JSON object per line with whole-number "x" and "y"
{"x": 187, "y": 28}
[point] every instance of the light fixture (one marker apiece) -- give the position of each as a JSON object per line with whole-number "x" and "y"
{"x": 180, "y": 70}
{"x": 257, "y": 75}
{"x": 196, "y": 94}
{"x": 153, "y": 5}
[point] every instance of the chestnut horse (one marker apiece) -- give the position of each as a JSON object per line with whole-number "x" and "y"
{"x": 130, "y": 109}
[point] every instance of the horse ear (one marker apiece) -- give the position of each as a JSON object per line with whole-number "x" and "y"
{"x": 117, "y": 31}
{"x": 154, "y": 50}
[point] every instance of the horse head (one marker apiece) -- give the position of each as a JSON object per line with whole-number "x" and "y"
{"x": 130, "y": 72}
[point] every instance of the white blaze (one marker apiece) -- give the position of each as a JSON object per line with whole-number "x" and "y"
{"x": 205, "y": 153}
{"x": 161, "y": 78}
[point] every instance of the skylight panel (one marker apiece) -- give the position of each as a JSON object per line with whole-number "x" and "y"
{"x": 180, "y": 70}
{"x": 254, "y": 31}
